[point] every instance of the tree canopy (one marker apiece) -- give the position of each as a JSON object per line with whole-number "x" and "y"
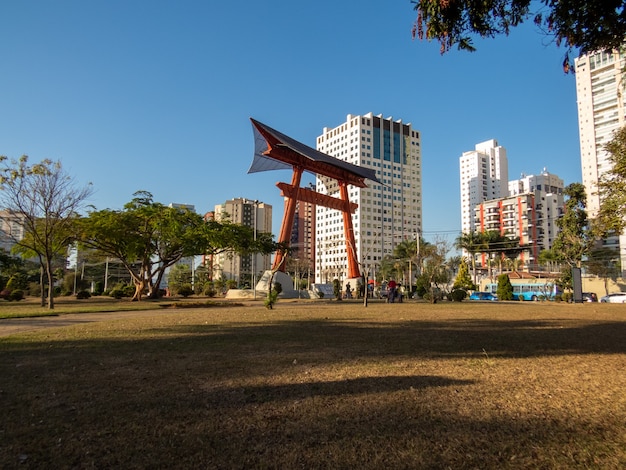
{"x": 45, "y": 201}
{"x": 587, "y": 25}
{"x": 148, "y": 237}
{"x": 611, "y": 218}
{"x": 574, "y": 239}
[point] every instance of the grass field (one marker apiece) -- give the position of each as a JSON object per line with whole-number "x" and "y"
{"x": 322, "y": 385}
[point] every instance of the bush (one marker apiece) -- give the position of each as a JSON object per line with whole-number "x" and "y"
{"x": 83, "y": 294}
{"x": 98, "y": 288}
{"x": 185, "y": 290}
{"x": 505, "y": 288}
{"x": 457, "y": 295}
{"x": 209, "y": 290}
{"x": 337, "y": 289}
{"x": 567, "y": 296}
{"x": 34, "y": 289}
{"x": 17, "y": 294}
{"x": 117, "y": 293}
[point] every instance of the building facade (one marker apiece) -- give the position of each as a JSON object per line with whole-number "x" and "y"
{"x": 231, "y": 266}
{"x": 484, "y": 174}
{"x": 387, "y": 213}
{"x": 600, "y": 88}
{"x": 547, "y": 191}
{"x": 11, "y": 229}
{"x": 302, "y": 238}
{"x": 529, "y": 213}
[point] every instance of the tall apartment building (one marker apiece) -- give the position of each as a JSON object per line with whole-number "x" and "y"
{"x": 484, "y": 175}
{"x": 529, "y": 213}
{"x": 231, "y": 266}
{"x": 600, "y": 87}
{"x": 387, "y": 213}
{"x": 547, "y": 191}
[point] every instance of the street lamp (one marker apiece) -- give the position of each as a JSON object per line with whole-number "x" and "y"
{"x": 256, "y": 203}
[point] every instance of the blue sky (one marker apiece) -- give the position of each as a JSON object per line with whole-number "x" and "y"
{"x": 157, "y": 95}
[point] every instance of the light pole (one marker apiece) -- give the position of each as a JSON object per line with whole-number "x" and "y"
{"x": 255, "y": 203}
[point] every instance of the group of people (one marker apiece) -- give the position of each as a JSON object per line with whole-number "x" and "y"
{"x": 394, "y": 291}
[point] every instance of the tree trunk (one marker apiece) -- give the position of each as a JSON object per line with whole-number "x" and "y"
{"x": 50, "y": 284}
{"x": 139, "y": 287}
{"x": 41, "y": 283}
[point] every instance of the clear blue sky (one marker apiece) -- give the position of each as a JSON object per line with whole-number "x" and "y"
{"x": 157, "y": 95}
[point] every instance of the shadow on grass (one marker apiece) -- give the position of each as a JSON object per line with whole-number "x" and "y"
{"x": 234, "y": 397}
{"x": 449, "y": 338}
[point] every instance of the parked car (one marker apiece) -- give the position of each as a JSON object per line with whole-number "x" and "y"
{"x": 615, "y": 298}
{"x": 590, "y": 297}
{"x": 483, "y": 296}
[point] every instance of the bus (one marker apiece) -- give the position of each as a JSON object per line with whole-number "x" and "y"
{"x": 529, "y": 289}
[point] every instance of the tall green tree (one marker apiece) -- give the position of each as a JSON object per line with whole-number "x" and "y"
{"x": 504, "y": 290}
{"x": 611, "y": 218}
{"x": 472, "y": 243}
{"x": 46, "y": 201}
{"x": 463, "y": 279}
{"x": 179, "y": 276}
{"x": 435, "y": 272}
{"x": 574, "y": 239}
{"x": 588, "y": 25}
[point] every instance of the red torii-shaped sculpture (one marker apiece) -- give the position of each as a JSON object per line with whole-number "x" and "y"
{"x": 274, "y": 150}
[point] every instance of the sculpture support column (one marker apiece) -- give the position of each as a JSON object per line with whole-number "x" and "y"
{"x": 348, "y": 229}
{"x": 288, "y": 217}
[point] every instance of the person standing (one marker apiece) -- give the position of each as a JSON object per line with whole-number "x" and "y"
{"x": 391, "y": 290}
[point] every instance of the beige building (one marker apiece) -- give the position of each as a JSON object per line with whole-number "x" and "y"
{"x": 231, "y": 266}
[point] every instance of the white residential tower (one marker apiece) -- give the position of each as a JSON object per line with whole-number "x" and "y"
{"x": 387, "y": 213}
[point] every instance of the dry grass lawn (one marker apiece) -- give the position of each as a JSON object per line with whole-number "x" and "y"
{"x": 322, "y": 385}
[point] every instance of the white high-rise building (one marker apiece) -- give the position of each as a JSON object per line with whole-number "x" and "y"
{"x": 600, "y": 88}
{"x": 387, "y": 213}
{"x": 484, "y": 175}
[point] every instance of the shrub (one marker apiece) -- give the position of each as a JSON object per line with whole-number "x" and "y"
{"x": 185, "y": 290}
{"x": 83, "y": 294}
{"x": 337, "y": 289}
{"x": 117, "y": 293}
{"x": 457, "y": 295}
{"x": 98, "y": 288}
{"x": 209, "y": 290}
{"x": 505, "y": 288}
{"x": 278, "y": 287}
{"x": 567, "y": 296}
{"x": 34, "y": 289}
{"x": 17, "y": 294}
{"x": 5, "y": 294}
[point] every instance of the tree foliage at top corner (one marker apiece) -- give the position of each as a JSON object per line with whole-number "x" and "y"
{"x": 587, "y": 25}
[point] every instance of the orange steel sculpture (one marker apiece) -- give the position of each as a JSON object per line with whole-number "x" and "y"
{"x": 274, "y": 150}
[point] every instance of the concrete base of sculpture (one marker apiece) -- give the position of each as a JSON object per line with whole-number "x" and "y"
{"x": 262, "y": 288}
